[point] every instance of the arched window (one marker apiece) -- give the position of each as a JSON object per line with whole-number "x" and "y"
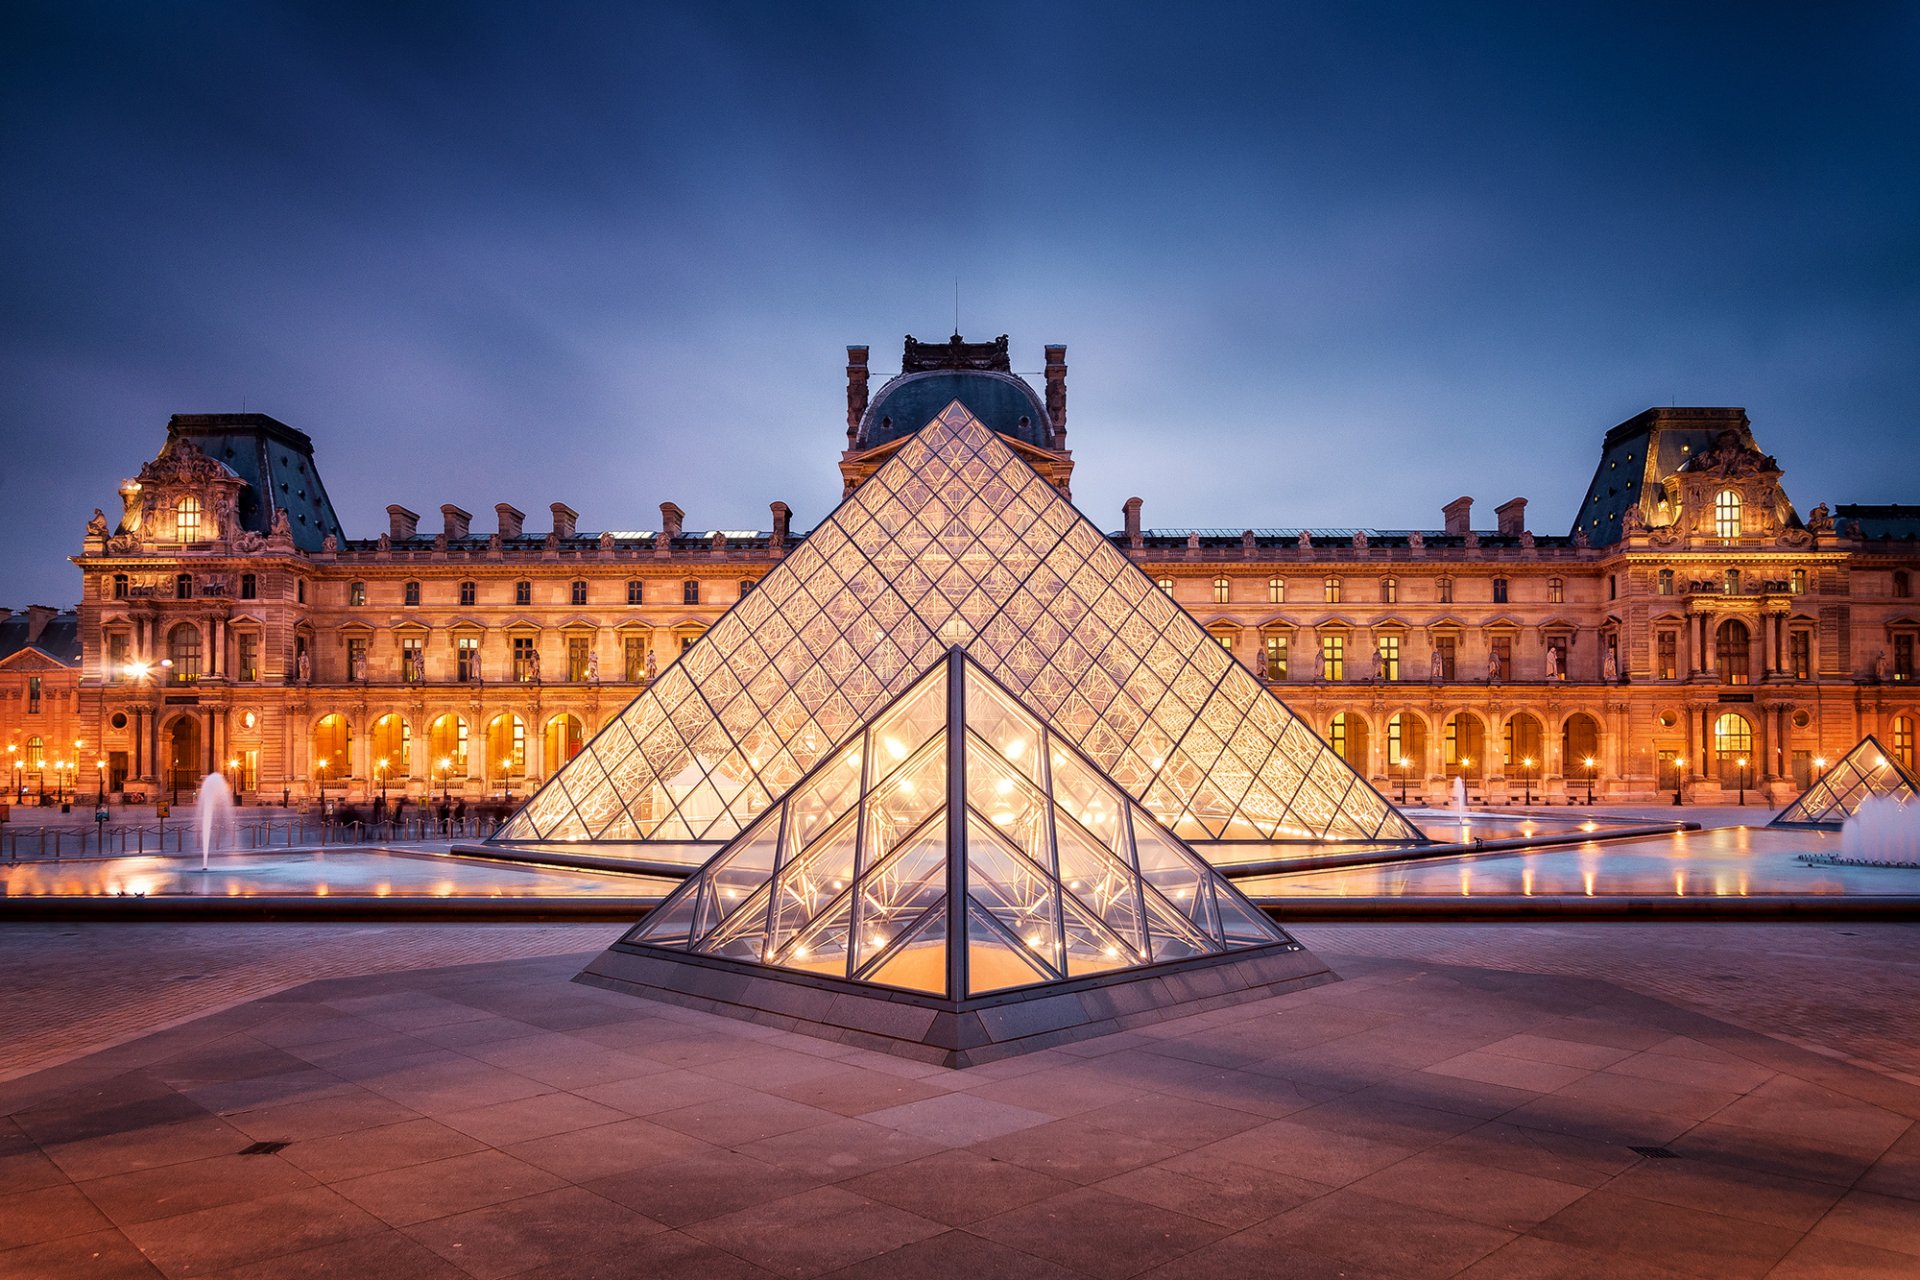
{"x": 447, "y": 743}
{"x": 1463, "y": 752}
{"x": 506, "y": 747}
{"x": 1407, "y": 744}
{"x": 1732, "y": 648}
{"x": 1347, "y": 735}
{"x": 1732, "y": 743}
{"x": 1579, "y": 745}
{"x": 1726, "y": 514}
{"x": 1523, "y": 743}
{"x": 1222, "y": 591}
{"x": 392, "y": 748}
{"x": 36, "y": 752}
{"x": 332, "y": 748}
{"x": 186, "y": 520}
{"x": 564, "y": 737}
{"x": 183, "y": 650}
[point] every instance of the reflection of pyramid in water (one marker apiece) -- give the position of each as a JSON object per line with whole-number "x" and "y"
{"x": 1867, "y": 770}
{"x": 956, "y": 849}
{"x": 956, "y": 541}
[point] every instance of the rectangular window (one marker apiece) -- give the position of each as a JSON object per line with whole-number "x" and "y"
{"x": 1276, "y": 590}
{"x": 1556, "y": 590}
{"x": 121, "y": 583}
{"x": 247, "y": 652}
{"x": 356, "y": 594}
{"x": 1797, "y": 582}
{"x": 633, "y": 591}
{"x": 413, "y": 659}
{"x": 466, "y": 651}
{"x": 1330, "y": 590}
{"x": 1222, "y": 591}
{"x": 249, "y": 586}
{"x": 467, "y": 592}
{"x": 523, "y": 592}
{"x": 523, "y": 658}
{"x": 1449, "y": 649}
{"x": 33, "y": 695}
{"x": 410, "y": 594}
{"x": 183, "y": 586}
{"x": 1390, "y": 656}
{"x": 1903, "y": 657}
{"x": 1499, "y": 590}
{"x": 1224, "y": 639}
{"x": 690, "y": 591}
{"x": 1666, "y": 647}
{"x": 746, "y": 585}
{"x": 1389, "y": 591}
{"x": 356, "y": 659}
{"x": 116, "y": 658}
{"x": 1443, "y": 591}
{"x": 1613, "y": 586}
{"x": 1666, "y": 582}
{"x": 1502, "y": 647}
{"x": 1800, "y": 654}
{"x": 1276, "y": 648}
{"x": 579, "y": 593}
{"x": 634, "y": 650}
{"x": 577, "y": 649}
{"x": 1166, "y": 585}
{"x": 1333, "y": 657}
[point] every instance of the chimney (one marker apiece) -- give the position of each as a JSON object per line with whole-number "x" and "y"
{"x": 458, "y": 521}
{"x": 401, "y": 523}
{"x": 1513, "y": 517}
{"x": 564, "y": 518}
{"x": 672, "y": 518}
{"x": 38, "y": 616}
{"x": 856, "y": 392}
{"x": 512, "y": 519}
{"x": 1132, "y": 508}
{"x": 782, "y": 523}
{"x": 1459, "y": 514}
{"x": 1057, "y": 394}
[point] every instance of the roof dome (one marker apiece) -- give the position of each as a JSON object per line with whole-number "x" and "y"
{"x": 1002, "y": 401}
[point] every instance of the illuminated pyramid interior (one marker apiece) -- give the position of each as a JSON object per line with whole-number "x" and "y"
{"x": 954, "y": 541}
{"x": 957, "y": 882}
{"x": 1867, "y": 770}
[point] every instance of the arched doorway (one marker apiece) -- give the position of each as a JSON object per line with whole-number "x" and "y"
{"x": 185, "y": 767}
{"x": 1580, "y": 748}
{"x": 1733, "y": 652}
{"x": 1347, "y": 735}
{"x": 1524, "y": 746}
{"x": 564, "y": 736}
{"x": 506, "y": 752}
{"x": 447, "y": 751}
{"x": 1733, "y": 745}
{"x": 1406, "y": 750}
{"x": 332, "y": 751}
{"x": 1464, "y": 752}
{"x": 392, "y": 751}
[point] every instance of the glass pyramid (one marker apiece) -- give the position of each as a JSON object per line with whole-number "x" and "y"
{"x": 1867, "y": 770}
{"x": 955, "y": 541}
{"x": 956, "y": 847}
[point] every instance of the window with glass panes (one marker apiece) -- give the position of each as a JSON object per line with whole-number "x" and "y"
{"x": 1666, "y": 582}
{"x": 578, "y": 647}
{"x": 1503, "y": 649}
{"x": 1556, "y": 590}
{"x": 467, "y": 592}
{"x": 1499, "y": 590}
{"x": 356, "y": 594}
{"x": 1222, "y": 591}
{"x": 1389, "y": 591}
{"x": 357, "y": 658}
{"x": 1330, "y": 590}
{"x": 690, "y": 591}
{"x": 1903, "y": 656}
{"x": 1389, "y": 657}
{"x": 1726, "y": 514}
{"x": 1166, "y": 585}
{"x": 466, "y": 651}
{"x": 1448, "y": 648}
{"x": 1666, "y": 661}
{"x": 1797, "y": 582}
{"x": 249, "y": 586}
{"x": 1443, "y": 590}
{"x": 1276, "y": 590}
{"x": 633, "y": 667}
{"x": 413, "y": 659}
{"x": 523, "y": 592}
{"x": 523, "y": 658}
{"x": 410, "y": 594}
{"x": 634, "y": 593}
{"x": 1800, "y": 654}
{"x": 578, "y": 592}
{"x": 1276, "y": 646}
{"x": 1333, "y": 655}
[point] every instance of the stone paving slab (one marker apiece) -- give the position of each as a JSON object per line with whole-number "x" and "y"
{"x": 1423, "y": 1117}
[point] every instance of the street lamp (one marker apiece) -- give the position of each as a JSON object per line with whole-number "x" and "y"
{"x": 1679, "y": 774}
{"x": 446, "y": 778}
{"x": 506, "y": 778}
{"x": 1403, "y": 762}
{"x": 1527, "y": 778}
{"x": 320, "y": 766}
{"x": 13, "y": 762}
{"x": 1589, "y": 763}
{"x": 100, "y": 783}
{"x": 1742, "y": 762}
{"x": 381, "y": 764}
{"x": 1820, "y": 765}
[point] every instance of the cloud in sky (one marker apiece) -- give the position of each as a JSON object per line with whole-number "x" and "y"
{"x": 1314, "y": 264}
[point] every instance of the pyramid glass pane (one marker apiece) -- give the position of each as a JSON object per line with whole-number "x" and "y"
{"x": 1865, "y": 772}
{"x": 919, "y": 961}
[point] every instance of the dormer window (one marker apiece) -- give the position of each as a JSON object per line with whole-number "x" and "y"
{"x": 186, "y": 520}
{"x": 1726, "y": 514}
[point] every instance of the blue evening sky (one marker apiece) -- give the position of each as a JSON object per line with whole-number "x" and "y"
{"x": 1329, "y": 264}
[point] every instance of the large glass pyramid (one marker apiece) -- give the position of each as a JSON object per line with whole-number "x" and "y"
{"x": 956, "y": 857}
{"x": 954, "y": 541}
{"x": 1869, "y": 769}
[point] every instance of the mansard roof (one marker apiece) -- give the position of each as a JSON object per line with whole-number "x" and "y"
{"x": 277, "y": 463}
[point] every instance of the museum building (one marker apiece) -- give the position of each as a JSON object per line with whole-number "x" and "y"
{"x": 1692, "y": 632}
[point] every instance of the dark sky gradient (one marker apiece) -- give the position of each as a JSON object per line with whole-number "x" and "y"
{"x": 1330, "y": 264}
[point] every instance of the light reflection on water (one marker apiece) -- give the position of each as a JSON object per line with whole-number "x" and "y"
{"x": 1727, "y": 861}
{"x": 380, "y": 873}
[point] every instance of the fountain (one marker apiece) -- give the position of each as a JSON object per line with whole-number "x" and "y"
{"x": 215, "y": 806}
{"x": 1882, "y": 831}
{"x": 1460, "y": 804}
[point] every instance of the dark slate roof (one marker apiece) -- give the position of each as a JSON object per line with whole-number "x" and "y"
{"x": 276, "y": 461}
{"x": 59, "y": 639}
{"x": 1638, "y": 455}
{"x": 1891, "y": 520}
{"x": 912, "y": 400}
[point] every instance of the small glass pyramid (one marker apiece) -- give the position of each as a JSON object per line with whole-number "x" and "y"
{"x": 955, "y": 541}
{"x": 956, "y": 847}
{"x": 1869, "y": 769}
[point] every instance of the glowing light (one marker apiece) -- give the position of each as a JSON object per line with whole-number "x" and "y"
{"x": 1158, "y": 761}
{"x": 1033, "y": 940}
{"x": 853, "y": 760}
{"x": 1016, "y": 748}
{"x": 1003, "y": 786}
{"x": 895, "y": 748}
{"x": 799, "y": 953}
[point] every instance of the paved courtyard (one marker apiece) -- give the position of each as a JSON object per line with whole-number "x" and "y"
{"x": 1466, "y": 1102}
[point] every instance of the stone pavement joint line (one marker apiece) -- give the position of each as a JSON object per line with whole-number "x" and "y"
{"x": 1423, "y": 1117}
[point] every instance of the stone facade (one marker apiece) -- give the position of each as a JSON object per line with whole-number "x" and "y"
{"x": 248, "y": 634}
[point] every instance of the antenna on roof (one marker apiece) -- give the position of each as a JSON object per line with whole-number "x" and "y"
{"x": 956, "y": 306}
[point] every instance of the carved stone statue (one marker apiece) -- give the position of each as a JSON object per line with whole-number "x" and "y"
{"x": 248, "y": 543}
{"x": 359, "y": 672}
{"x": 1493, "y": 666}
{"x": 1471, "y": 541}
{"x": 1436, "y": 668}
{"x": 606, "y": 540}
{"x": 1305, "y": 540}
{"x": 1193, "y": 541}
{"x": 1526, "y": 539}
{"x": 1610, "y": 664}
{"x": 1580, "y": 538}
{"x": 384, "y": 544}
{"x": 97, "y": 526}
{"x": 533, "y": 666}
{"x": 282, "y": 528}
{"x": 1379, "y": 665}
{"x": 1359, "y": 539}
{"x": 1820, "y": 519}
{"x": 653, "y": 666}
{"x": 1553, "y": 662}
{"x": 303, "y": 667}
{"x": 1635, "y": 520}
{"x": 1882, "y": 667}
{"x": 330, "y": 545}
{"x": 1260, "y": 664}
{"x": 593, "y": 668}
{"x": 1320, "y": 664}
{"x": 1417, "y": 541}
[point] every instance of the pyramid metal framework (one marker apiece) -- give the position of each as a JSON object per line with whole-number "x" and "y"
{"x": 954, "y": 857}
{"x": 954, "y": 541}
{"x": 1869, "y": 769}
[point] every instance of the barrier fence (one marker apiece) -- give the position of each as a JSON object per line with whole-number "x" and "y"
{"x": 114, "y": 839}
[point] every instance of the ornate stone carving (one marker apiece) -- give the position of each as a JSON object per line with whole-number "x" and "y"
{"x": 125, "y": 544}
{"x": 97, "y": 525}
{"x": 1359, "y": 539}
{"x": 249, "y": 543}
{"x": 329, "y": 546}
{"x": 1305, "y": 540}
{"x": 1820, "y": 519}
{"x": 1417, "y": 541}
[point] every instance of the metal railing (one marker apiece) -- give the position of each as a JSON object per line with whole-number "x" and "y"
{"x": 117, "y": 839}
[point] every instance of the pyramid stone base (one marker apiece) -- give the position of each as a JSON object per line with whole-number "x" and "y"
{"x": 956, "y": 1033}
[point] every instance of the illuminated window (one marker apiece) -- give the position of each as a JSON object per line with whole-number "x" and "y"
{"x": 1222, "y": 591}
{"x": 1276, "y": 590}
{"x": 410, "y": 594}
{"x": 413, "y": 659}
{"x": 1800, "y": 654}
{"x": 356, "y": 594}
{"x": 186, "y": 520}
{"x": 634, "y": 594}
{"x": 1797, "y": 582}
{"x": 578, "y": 647}
{"x": 690, "y": 591}
{"x": 523, "y": 658}
{"x": 1333, "y": 655}
{"x": 578, "y": 592}
{"x": 634, "y": 665}
{"x": 1732, "y": 737}
{"x": 1443, "y": 590}
{"x": 1499, "y": 590}
{"x": 1556, "y": 590}
{"x": 1224, "y": 639}
{"x": 1389, "y": 591}
{"x": 1903, "y": 740}
{"x": 1666, "y": 582}
{"x": 523, "y": 592}
{"x": 1390, "y": 657}
{"x": 183, "y": 649}
{"x": 1730, "y": 582}
{"x": 466, "y": 651}
{"x": 393, "y": 743}
{"x": 1667, "y": 655}
{"x": 36, "y": 753}
{"x": 1166, "y": 585}
{"x": 447, "y": 745}
{"x": 468, "y": 591}
{"x": 1726, "y": 514}
{"x": 1276, "y": 647}
{"x": 1330, "y": 590}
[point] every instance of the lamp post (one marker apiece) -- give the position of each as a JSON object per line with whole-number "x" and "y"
{"x": 506, "y": 778}
{"x": 1527, "y": 779}
{"x": 1679, "y": 776}
{"x": 381, "y": 765}
{"x": 1403, "y": 762}
{"x": 1589, "y": 763}
{"x": 320, "y": 767}
{"x": 99, "y": 784}
{"x": 446, "y": 778}
{"x": 13, "y": 762}
{"x": 1820, "y": 768}
{"x": 1742, "y": 762}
